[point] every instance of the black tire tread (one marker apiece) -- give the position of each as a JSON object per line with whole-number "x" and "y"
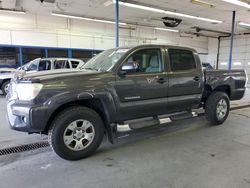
{"x": 3, "y": 86}
{"x": 211, "y": 105}
{"x": 53, "y": 128}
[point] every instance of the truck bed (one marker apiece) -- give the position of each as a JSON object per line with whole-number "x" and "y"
{"x": 234, "y": 79}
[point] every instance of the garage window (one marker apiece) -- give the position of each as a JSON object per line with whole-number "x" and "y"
{"x": 57, "y": 53}
{"x": 181, "y": 60}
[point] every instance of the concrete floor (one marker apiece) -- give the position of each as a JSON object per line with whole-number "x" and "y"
{"x": 183, "y": 154}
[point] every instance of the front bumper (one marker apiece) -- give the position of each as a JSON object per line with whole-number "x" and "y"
{"x": 1, "y": 82}
{"x": 25, "y": 118}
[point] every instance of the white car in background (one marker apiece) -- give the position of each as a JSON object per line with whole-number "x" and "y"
{"x": 39, "y": 64}
{"x": 5, "y": 75}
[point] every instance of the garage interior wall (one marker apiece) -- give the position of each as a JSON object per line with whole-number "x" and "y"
{"x": 241, "y": 53}
{"x": 212, "y": 51}
{"x": 50, "y": 31}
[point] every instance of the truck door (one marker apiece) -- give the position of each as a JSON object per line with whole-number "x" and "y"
{"x": 185, "y": 79}
{"x": 143, "y": 91}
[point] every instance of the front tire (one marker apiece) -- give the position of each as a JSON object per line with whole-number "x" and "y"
{"x": 76, "y": 133}
{"x": 5, "y": 87}
{"x": 217, "y": 108}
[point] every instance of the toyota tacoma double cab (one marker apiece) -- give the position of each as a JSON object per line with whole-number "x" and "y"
{"x": 76, "y": 108}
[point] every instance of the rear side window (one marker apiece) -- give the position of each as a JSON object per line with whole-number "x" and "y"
{"x": 181, "y": 60}
{"x": 74, "y": 64}
{"x": 61, "y": 64}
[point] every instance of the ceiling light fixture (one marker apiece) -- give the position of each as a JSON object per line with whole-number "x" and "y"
{"x": 237, "y": 63}
{"x": 202, "y": 3}
{"x": 165, "y": 29}
{"x": 108, "y": 3}
{"x": 244, "y": 24}
{"x": 223, "y": 63}
{"x": 86, "y": 18}
{"x": 239, "y": 3}
{"x": 142, "y": 7}
{"x": 13, "y": 11}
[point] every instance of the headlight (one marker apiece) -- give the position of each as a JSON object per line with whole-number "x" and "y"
{"x": 246, "y": 79}
{"x": 27, "y": 91}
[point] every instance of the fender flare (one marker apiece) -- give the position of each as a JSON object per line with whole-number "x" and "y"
{"x": 69, "y": 97}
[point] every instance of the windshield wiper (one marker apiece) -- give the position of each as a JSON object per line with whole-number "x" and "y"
{"x": 94, "y": 69}
{"x": 89, "y": 69}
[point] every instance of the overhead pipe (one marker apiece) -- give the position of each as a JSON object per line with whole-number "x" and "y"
{"x": 218, "y": 53}
{"x": 117, "y": 23}
{"x": 198, "y": 29}
{"x": 232, "y": 40}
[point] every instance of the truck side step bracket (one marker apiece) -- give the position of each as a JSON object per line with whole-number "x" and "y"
{"x": 143, "y": 124}
{"x": 181, "y": 116}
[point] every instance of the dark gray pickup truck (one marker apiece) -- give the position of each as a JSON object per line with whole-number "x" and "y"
{"x": 77, "y": 107}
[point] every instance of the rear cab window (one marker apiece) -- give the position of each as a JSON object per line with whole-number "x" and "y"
{"x": 181, "y": 60}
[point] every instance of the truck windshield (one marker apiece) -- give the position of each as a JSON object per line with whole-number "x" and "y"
{"x": 105, "y": 60}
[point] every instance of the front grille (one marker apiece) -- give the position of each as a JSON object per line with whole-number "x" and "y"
{"x": 10, "y": 89}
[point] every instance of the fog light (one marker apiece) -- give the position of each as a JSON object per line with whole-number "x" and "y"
{"x": 24, "y": 119}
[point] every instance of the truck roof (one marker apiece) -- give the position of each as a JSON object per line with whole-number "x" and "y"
{"x": 157, "y": 45}
{"x": 61, "y": 58}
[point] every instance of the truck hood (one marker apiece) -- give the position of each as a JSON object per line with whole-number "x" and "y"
{"x": 2, "y": 70}
{"x": 52, "y": 74}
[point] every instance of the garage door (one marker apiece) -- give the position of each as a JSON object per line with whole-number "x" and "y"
{"x": 241, "y": 53}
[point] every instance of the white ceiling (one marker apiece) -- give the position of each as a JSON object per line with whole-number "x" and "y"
{"x": 96, "y": 8}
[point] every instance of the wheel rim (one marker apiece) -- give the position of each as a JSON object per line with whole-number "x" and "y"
{"x": 222, "y": 108}
{"x": 79, "y": 134}
{"x": 6, "y": 88}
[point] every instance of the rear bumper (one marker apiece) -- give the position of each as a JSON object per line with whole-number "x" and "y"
{"x": 25, "y": 118}
{"x": 237, "y": 94}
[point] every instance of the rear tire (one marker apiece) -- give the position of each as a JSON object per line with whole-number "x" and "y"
{"x": 5, "y": 87}
{"x": 217, "y": 108}
{"x": 76, "y": 133}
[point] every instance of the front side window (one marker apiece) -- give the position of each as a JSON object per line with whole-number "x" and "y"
{"x": 33, "y": 66}
{"x": 181, "y": 60}
{"x": 147, "y": 61}
{"x": 44, "y": 65}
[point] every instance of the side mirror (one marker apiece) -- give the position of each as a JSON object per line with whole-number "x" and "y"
{"x": 129, "y": 67}
{"x": 25, "y": 68}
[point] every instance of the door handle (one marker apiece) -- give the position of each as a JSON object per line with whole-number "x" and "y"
{"x": 161, "y": 80}
{"x": 196, "y": 78}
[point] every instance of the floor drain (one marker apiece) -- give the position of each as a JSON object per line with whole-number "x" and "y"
{"x": 22, "y": 148}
